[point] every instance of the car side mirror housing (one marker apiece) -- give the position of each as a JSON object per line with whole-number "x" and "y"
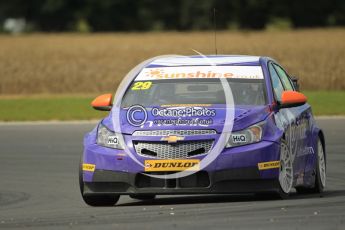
{"x": 292, "y": 99}
{"x": 103, "y": 102}
{"x": 295, "y": 83}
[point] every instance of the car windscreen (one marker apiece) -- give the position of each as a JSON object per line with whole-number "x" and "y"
{"x": 196, "y": 85}
{"x": 194, "y": 91}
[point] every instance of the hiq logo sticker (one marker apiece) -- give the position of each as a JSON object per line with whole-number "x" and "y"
{"x": 239, "y": 138}
{"x": 112, "y": 140}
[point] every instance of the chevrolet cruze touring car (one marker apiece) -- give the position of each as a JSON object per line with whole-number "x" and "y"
{"x": 173, "y": 114}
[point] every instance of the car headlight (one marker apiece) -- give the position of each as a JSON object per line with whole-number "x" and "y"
{"x": 249, "y": 135}
{"x": 109, "y": 139}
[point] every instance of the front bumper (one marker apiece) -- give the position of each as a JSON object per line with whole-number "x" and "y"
{"x": 235, "y": 170}
{"x": 118, "y": 183}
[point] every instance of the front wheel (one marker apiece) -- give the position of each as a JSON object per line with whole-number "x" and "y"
{"x": 100, "y": 201}
{"x": 285, "y": 171}
{"x": 95, "y": 200}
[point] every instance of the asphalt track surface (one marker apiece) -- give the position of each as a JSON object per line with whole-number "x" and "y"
{"x": 39, "y": 190}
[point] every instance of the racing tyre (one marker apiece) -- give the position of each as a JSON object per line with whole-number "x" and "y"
{"x": 142, "y": 197}
{"x": 96, "y": 200}
{"x": 320, "y": 168}
{"x": 100, "y": 201}
{"x": 285, "y": 171}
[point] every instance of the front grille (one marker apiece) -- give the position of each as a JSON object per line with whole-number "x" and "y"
{"x": 199, "y": 179}
{"x": 192, "y": 132}
{"x": 178, "y": 150}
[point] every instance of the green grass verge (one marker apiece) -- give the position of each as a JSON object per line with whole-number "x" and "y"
{"x": 48, "y": 108}
{"x": 78, "y": 107}
{"x": 326, "y": 102}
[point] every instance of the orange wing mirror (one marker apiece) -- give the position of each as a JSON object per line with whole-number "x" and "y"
{"x": 292, "y": 99}
{"x": 103, "y": 102}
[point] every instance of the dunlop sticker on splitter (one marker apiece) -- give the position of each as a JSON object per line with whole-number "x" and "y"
{"x": 171, "y": 165}
{"x": 269, "y": 165}
{"x": 89, "y": 167}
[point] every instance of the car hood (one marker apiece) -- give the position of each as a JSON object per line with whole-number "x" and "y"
{"x": 244, "y": 116}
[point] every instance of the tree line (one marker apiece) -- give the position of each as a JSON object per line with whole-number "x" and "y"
{"x": 147, "y": 15}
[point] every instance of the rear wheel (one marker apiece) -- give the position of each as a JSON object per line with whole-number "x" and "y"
{"x": 142, "y": 197}
{"x": 95, "y": 200}
{"x": 320, "y": 168}
{"x": 285, "y": 171}
{"x": 320, "y": 181}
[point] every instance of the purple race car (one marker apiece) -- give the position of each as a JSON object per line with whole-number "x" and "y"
{"x": 203, "y": 125}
